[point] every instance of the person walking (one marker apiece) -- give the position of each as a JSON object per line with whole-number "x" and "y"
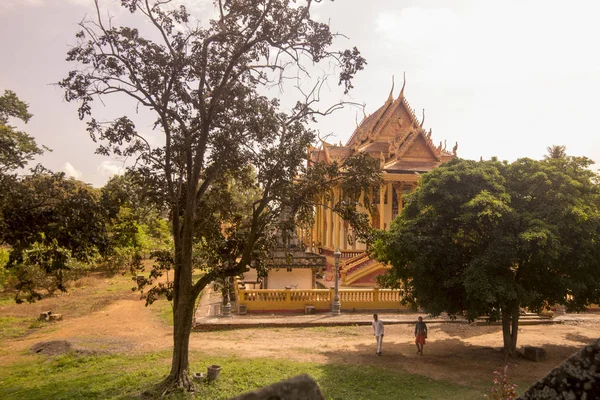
{"x": 420, "y": 335}
{"x": 378, "y": 332}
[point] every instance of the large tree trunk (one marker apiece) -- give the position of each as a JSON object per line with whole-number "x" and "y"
{"x": 182, "y": 326}
{"x": 510, "y": 330}
{"x": 184, "y": 298}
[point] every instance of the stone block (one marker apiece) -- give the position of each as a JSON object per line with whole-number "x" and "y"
{"x": 309, "y": 310}
{"x": 301, "y": 387}
{"x": 242, "y": 309}
{"x": 45, "y": 316}
{"x": 534, "y": 353}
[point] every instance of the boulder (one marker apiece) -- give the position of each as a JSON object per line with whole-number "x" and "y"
{"x": 301, "y": 387}
{"x": 534, "y": 353}
{"x": 578, "y": 377}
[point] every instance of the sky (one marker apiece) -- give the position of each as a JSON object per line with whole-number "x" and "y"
{"x": 502, "y": 78}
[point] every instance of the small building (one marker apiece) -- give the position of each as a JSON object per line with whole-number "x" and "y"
{"x": 290, "y": 266}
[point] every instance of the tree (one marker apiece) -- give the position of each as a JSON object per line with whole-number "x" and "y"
{"x": 55, "y": 227}
{"x": 490, "y": 237}
{"x": 556, "y": 151}
{"x": 16, "y": 147}
{"x": 203, "y": 84}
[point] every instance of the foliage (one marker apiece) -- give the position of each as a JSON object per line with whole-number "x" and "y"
{"x": 490, "y": 237}
{"x": 203, "y": 83}
{"x": 502, "y": 388}
{"x": 125, "y": 377}
{"x": 16, "y": 147}
{"x": 4, "y": 272}
{"x": 55, "y": 227}
{"x": 135, "y": 226}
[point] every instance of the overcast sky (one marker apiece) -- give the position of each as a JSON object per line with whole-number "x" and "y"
{"x": 503, "y": 78}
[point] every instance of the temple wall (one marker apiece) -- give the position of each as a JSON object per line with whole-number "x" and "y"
{"x": 279, "y": 279}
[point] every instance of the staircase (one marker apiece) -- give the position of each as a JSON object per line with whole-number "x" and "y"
{"x": 359, "y": 267}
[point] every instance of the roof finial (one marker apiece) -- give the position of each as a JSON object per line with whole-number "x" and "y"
{"x": 364, "y": 113}
{"x": 391, "y": 96}
{"x": 454, "y": 149}
{"x": 356, "y": 119}
{"x": 403, "y": 85}
{"x": 423, "y": 120}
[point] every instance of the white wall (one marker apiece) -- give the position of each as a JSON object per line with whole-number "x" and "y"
{"x": 250, "y": 276}
{"x": 282, "y": 278}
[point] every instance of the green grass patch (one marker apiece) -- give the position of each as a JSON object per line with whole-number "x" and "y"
{"x": 125, "y": 377}
{"x": 13, "y": 327}
{"x": 164, "y": 310}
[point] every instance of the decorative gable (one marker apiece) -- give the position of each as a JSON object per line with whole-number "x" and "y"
{"x": 419, "y": 149}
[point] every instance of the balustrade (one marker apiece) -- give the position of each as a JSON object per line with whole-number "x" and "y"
{"x": 297, "y": 299}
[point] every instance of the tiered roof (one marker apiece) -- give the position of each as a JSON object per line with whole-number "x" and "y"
{"x": 394, "y": 135}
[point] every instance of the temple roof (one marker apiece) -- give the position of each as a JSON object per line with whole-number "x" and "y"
{"x": 392, "y": 134}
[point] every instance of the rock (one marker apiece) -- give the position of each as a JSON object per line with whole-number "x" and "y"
{"x": 52, "y": 348}
{"x": 578, "y": 377}
{"x": 55, "y": 317}
{"x": 534, "y": 353}
{"x": 45, "y": 316}
{"x": 301, "y": 387}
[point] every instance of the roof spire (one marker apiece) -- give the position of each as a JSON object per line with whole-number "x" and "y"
{"x": 423, "y": 120}
{"x": 391, "y": 96}
{"x": 403, "y": 85}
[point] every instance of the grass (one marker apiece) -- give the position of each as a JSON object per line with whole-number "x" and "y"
{"x": 126, "y": 377}
{"x": 13, "y": 327}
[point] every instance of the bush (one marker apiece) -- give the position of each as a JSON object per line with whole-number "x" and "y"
{"x": 5, "y": 274}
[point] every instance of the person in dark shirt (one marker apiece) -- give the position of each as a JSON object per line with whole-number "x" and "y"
{"x": 420, "y": 335}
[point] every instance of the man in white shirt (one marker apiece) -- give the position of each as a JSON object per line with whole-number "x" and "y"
{"x": 378, "y": 332}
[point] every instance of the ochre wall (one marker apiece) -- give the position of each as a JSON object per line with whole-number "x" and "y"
{"x": 279, "y": 279}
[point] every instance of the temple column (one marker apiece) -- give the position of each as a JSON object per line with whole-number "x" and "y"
{"x": 330, "y": 227}
{"x": 389, "y": 197}
{"x": 336, "y": 224}
{"x": 381, "y": 206}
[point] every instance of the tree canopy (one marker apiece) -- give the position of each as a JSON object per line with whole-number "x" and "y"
{"x": 16, "y": 147}
{"x": 489, "y": 237}
{"x": 204, "y": 83}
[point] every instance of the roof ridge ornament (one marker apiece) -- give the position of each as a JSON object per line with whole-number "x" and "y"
{"x": 391, "y": 96}
{"x": 423, "y": 120}
{"x": 403, "y": 85}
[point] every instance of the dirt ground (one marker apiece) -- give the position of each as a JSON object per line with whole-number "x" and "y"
{"x": 102, "y": 315}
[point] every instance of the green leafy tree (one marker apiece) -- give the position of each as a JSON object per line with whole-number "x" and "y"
{"x": 491, "y": 237}
{"x": 203, "y": 83}
{"x": 53, "y": 226}
{"x": 135, "y": 225}
{"x": 16, "y": 147}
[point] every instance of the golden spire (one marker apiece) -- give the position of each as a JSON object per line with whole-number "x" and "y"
{"x": 403, "y": 85}
{"x": 423, "y": 120}
{"x": 391, "y": 96}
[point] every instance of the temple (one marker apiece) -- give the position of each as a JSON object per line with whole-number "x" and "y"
{"x": 394, "y": 136}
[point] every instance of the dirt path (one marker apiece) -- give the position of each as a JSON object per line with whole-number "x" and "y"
{"x": 457, "y": 352}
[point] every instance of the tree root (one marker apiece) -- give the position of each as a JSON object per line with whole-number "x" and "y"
{"x": 172, "y": 383}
